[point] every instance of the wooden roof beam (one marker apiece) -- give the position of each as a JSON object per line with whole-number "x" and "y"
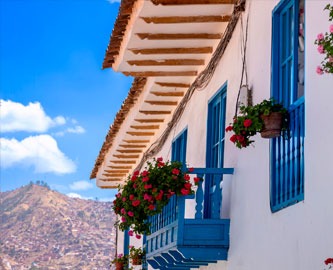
{"x": 129, "y": 151}
{"x": 114, "y": 174}
{"x": 192, "y": 2}
{"x": 160, "y": 73}
{"x": 167, "y": 62}
{"x": 167, "y": 84}
{"x": 161, "y": 103}
{"x": 195, "y": 50}
{"x": 116, "y": 171}
{"x": 137, "y": 133}
{"x": 126, "y": 156}
{"x": 168, "y": 94}
{"x": 187, "y": 19}
{"x": 155, "y": 112}
{"x": 136, "y": 141}
{"x": 149, "y": 120}
{"x": 163, "y": 36}
{"x": 119, "y": 167}
{"x": 123, "y": 161}
{"x": 132, "y": 145}
{"x": 146, "y": 127}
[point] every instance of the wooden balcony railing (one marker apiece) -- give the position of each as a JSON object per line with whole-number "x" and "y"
{"x": 176, "y": 242}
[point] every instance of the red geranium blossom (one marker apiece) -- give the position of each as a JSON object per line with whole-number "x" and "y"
{"x": 136, "y": 203}
{"x": 229, "y": 128}
{"x": 185, "y": 191}
{"x": 247, "y": 122}
{"x": 175, "y": 171}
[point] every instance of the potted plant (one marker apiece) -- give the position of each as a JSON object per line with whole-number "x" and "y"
{"x": 325, "y": 46}
{"x": 268, "y": 118}
{"x": 146, "y": 193}
{"x": 136, "y": 255}
{"x": 120, "y": 261}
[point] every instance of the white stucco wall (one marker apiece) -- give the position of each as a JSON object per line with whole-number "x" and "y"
{"x": 299, "y": 236}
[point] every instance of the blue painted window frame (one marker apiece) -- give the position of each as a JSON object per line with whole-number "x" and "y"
{"x": 287, "y": 152}
{"x": 215, "y": 151}
{"x": 178, "y": 150}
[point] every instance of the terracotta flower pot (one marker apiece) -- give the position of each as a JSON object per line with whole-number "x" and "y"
{"x": 137, "y": 261}
{"x": 272, "y": 125}
{"x": 119, "y": 266}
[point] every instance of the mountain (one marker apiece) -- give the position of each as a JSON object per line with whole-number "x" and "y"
{"x": 43, "y": 229}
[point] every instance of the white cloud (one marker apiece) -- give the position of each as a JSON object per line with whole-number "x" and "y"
{"x": 73, "y": 130}
{"x": 81, "y": 185}
{"x": 31, "y": 118}
{"x": 40, "y": 152}
{"x": 78, "y": 196}
{"x": 113, "y": 1}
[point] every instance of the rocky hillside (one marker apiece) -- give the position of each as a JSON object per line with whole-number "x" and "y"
{"x": 43, "y": 229}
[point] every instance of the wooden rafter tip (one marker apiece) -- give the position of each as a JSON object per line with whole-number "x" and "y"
{"x": 167, "y": 62}
{"x": 188, "y": 50}
{"x": 192, "y": 2}
{"x": 187, "y": 19}
{"x": 160, "y": 73}
{"x": 163, "y": 36}
{"x": 161, "y": 102}
{"x": 146, "y": 127}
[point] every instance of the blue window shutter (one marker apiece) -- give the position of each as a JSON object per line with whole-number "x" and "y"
{"x": 178, "y": 152}
{"x": 287, "y": 152}
{"x": 215, "y": 153}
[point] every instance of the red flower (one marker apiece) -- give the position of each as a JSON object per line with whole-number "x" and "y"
{"x": 136, "y": 173}
{"x": 185, "y": 191}
{"x": 134, "y": 177}
{"x": 138, "y": 236}
{"x": 130, "y": 213}
{"x": 147, "y": 197}
{"x": 229, "y": 128}
{"x": 131, "y": 197}
{"x": 135, "y": 186}
{"x": 160, "y": 164}
{"x": 151, "y": 207}
{"x": 159, "y": 197}
{"x": 124, "y": 199}
{"x": 136, "y": 203}
{"x": 130, "y": 233}
{"x": 175, "y": 171}
{"x": 160, "y": 159}
{"x": 186, "y": 177}
{"x": 196, "y": 179}
{"x": 240, "y": 138}
{"x": 328, "y": 261}
{"x": 144, "y": 173}
{"x": 233, "y": 138}
{"x": 247, "y": 123}
{"x": 190, "y": 169}
{"x": 145, "y": 179}
{"x": 148, "y": 186}
{"x": 188, "y": 185}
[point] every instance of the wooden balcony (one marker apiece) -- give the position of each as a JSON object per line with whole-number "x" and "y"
{"x": 183, "y": 243}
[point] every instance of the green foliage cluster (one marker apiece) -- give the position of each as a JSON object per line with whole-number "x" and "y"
{"x": 248, "y": 122}
{"x": 145, "y": 194}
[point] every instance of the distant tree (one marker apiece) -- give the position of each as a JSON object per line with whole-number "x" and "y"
{"x": 96, "y": 199}
{"x": 38, "y": 182}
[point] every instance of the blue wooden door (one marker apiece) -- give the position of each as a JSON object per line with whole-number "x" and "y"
{"x": 215, "y": 154}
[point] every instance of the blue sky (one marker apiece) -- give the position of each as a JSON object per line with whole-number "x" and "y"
{"x": 56, "y": 102}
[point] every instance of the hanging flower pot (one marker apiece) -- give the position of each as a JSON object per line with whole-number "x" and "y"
{"x": 119, "y": 265}
{"x": 136, "y": 260}
{"x": 268, "y": 118}
{"x": 272, "y": 125}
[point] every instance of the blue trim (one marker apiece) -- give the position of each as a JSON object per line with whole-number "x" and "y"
{"x": 178, "y": 152}
{"x": 215, "y": 151}
{"x": 126, "y": 242}
{"x": 287, "y": 152}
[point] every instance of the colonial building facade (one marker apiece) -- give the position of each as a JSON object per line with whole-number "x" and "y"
{"x": 266, "y": 206}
